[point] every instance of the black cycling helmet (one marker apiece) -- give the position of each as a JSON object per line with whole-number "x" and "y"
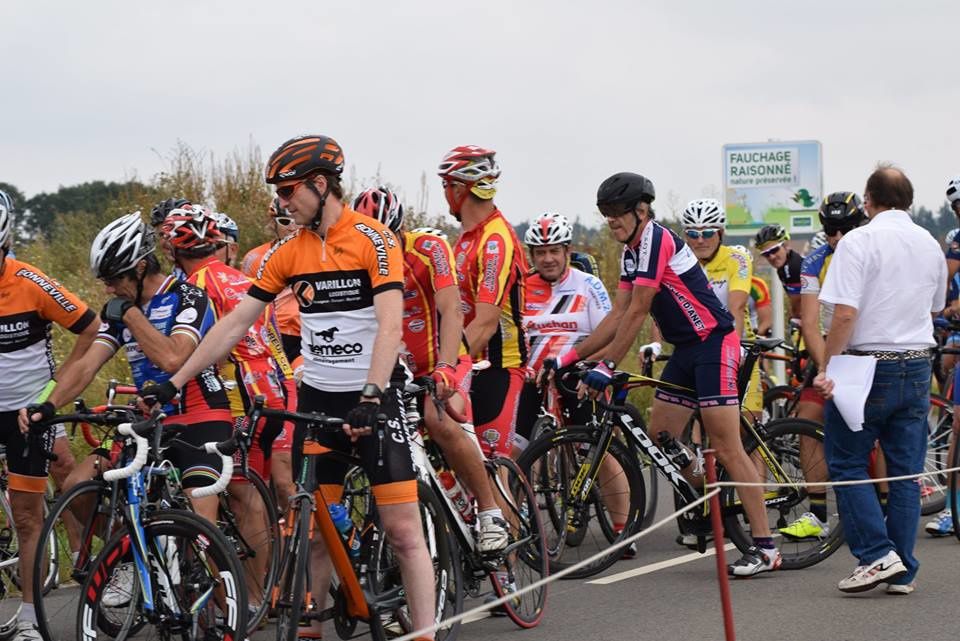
{"x": 842, "y": 209}
{"x": 625, "y": 188}
{"x": 163, "y": 208}
{"x": 770, "y": 235}
{"x": 620, "y": 194}
{"x": 585, "y": 263}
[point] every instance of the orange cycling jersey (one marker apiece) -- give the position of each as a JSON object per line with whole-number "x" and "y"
{"x": 285, "y": 304}
{"x": 428, "y": 268}
{"x": 334, "y": 280}
{"x": 29, "y": 301}
{"x": 491, "y": 268}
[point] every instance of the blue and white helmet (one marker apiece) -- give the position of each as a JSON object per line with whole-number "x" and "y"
{"x": 818, "y": 240}
{"x": 951, "y": 236}
{"x": 227, "y": 226}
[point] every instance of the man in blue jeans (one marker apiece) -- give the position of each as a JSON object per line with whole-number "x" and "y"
{"x": 873, "y": 269}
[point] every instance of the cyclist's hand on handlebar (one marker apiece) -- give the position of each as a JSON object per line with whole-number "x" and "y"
{"x": 34, "y": 414}
{"x": 595, "y": 381}
{"x": 362, "y": 418}
{"x": 649, "y": 352}
{"x": 160, "y": 394}
{"x": 445, "y": 378}
{"x": 550, "y": 365}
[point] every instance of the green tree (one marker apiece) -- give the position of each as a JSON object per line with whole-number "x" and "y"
{"x": 91, "y": 197}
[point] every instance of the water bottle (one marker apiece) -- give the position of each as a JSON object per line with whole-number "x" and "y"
{"x": 345, "y": 526}
{"x": 458, "y": 497}
{"x": 674, "y": 451}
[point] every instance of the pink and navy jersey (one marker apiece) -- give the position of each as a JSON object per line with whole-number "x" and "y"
{"x": 685, "y": 307}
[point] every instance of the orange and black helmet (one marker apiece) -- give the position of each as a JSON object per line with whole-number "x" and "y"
{"x": 301, "y": 156}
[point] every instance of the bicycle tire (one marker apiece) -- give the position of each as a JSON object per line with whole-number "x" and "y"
{"x": 267, "y": 535}
{"x": 551, "y": 463}
{"x": 204, "y": 548}
{"x": 292, "y": 579}
{"x": 9, "y": 579}
{"x": 953, "y": 483}
{"x": 649, "y": 472}
{"x": 444, "y": 550}
{"x": 782, "y": 439}
{"x": 92, "y": 537}
{"x": 776, "y": 399}
{"x": 525, "y": 558}
{"x": 933, "y": 499}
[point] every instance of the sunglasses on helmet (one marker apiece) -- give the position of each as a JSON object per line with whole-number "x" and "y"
{"x": 697, "y": 234}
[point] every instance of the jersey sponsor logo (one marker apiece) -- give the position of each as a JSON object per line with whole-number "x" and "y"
{"x": 629, "y": 263}
{"x": 553, "y": 326}
{"x": 391, "y": 238}
{"x": 440, "y": 263}
{"x": 643, "y": 251}
{"x": 493, "y": 247}
{"x": 490, "y": 273}
{"x": 409, "y": 294}
{"x": 49, "y": 287}
{"x": 597, "y": 286}
{"x": 304, "y": 292}
{"x": 379, "y": 245}
{"x": 417, "y": 326}
{"x": 465, "y": 307}
{"x": 742, "y": 267}
{"x": 328, "y": 334}
{"x": 12, "y": 328}
{"x": 187, "y": 316}
{"x": 104, "y": 327}
{"x": 687, "y": 306}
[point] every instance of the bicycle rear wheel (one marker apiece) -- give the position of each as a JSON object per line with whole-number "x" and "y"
{"x": 94, "y": 516}
{"x": 953, "y": 483}
{"x": 197, "y": 583}
{"x": 524, "y": 562}
{"x": 786, "y": 505}
{"x": 618, "y": 498}
{"x": 933, "y": 496}
{"x": 249, "y": 521}
{"x": 9, "y": 571}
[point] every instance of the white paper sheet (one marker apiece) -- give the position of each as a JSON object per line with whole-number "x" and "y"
{"x": 852, "y": 378}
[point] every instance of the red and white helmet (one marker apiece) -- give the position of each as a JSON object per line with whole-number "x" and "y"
{"x": 191, "y": 227}
{"x": 382, "y": 204}
{"x": 474, "y": 166}
{"x": 549, "y": 229}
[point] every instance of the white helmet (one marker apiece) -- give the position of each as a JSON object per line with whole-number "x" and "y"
{"x": 6, "y": 219}
{"x": 227, "y": 226}
{"x": 433, "y": 231}
{"x": 953, "y": 190}
{"x": 819, "y": 240}
{"x": 951, "y": 236}
{"x": 549, "y": 229}
{"x": 705, "y": 212}
{"x": 120, "y": 246}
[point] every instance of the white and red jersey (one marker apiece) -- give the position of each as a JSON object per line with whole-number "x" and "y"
{"x": 559, "y": 315}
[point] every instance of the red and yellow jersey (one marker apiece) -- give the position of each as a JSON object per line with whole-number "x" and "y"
{"x": 29, "y": 302}
{"x": 285, "y": 304}
{"x": 491, "y": 267}
{"x": 334, "y": 280}
{"x": 427, "y": 268}
{"x": 226, "y": 287}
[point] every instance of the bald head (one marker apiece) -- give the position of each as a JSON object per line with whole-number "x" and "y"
{"x": 888, "y": 188}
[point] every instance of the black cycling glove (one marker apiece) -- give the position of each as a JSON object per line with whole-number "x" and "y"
{"x": 114, "y": 310}
{"x": 45, "y": 410}
{"x": 365, "y": 414}
{"x": 162, "y": 393}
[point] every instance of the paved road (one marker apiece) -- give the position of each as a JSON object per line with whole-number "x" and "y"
{"x": 670, "y": 594}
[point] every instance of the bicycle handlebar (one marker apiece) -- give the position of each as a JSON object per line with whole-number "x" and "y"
{"x": 226, "y": 467}
{"x": 429, "y": 386}
{"x": 139, "y": 459}
{"x": 326, "y": 423}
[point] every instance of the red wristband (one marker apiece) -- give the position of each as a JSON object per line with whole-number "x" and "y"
{"x": 569, "y": 358}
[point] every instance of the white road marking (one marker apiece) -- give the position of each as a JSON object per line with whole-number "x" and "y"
{"x": 660, "y": 565}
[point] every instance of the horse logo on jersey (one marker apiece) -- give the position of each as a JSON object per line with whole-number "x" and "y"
{"x": 304, "y": 292}
{"x": 327, "y": 334}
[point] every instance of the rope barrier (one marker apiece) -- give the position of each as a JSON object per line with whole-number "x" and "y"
{"x": 559, "y": 575}
{"x": 834, "y": 483}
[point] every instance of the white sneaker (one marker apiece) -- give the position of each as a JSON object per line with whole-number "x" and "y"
{"x": 120, "y": 587}
{"x": 493, "y": 534}
{"x": 27, "y": 632}
{"x": 902, "y": 588}
{"x": 886, "y": 569}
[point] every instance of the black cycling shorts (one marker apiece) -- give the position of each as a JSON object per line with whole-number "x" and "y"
{"x": 27, "y": 473}
{"x": 386, "y": 461}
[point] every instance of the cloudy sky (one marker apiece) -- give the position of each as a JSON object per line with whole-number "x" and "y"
{"x": 566, "y": 92}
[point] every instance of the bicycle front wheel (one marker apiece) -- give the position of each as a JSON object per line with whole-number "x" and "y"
{"x": 795, "y": 448}
{"x": 617, "y": 498}
{"x": 196, "y": 584}
{"x": 87, "y": 509}
{"x": 524, "y": 561}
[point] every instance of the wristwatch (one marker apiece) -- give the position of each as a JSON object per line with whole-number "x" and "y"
{"x": 371, "y": 390}
{"x": 610, "y": 365}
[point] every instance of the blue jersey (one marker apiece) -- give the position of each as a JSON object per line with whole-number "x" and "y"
{"x": 813, "y": 273}
{"x": 176, "y": 308}
{"x": 685, "y": 307}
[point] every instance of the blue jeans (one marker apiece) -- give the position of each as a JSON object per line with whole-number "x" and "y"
{"x": 895, "y": 415}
